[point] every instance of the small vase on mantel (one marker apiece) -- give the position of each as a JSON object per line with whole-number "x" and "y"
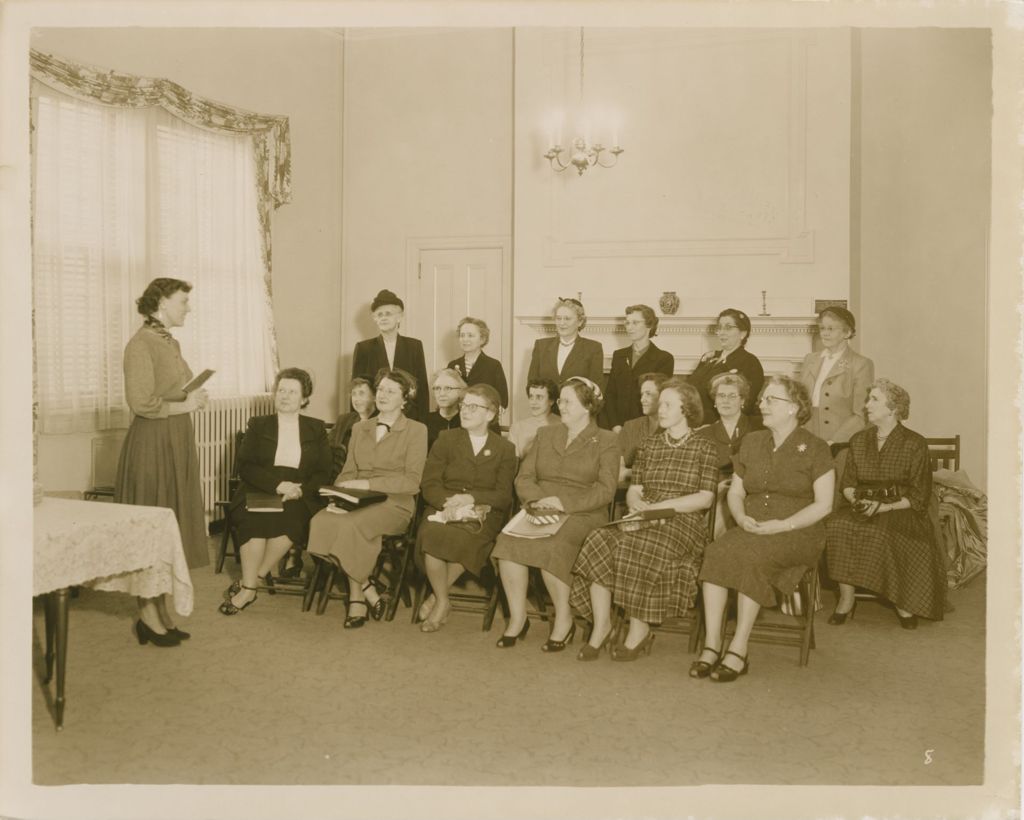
{"x": 669, "y": 303}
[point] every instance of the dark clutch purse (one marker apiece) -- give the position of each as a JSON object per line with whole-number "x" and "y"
{"x": 869, "y": 496}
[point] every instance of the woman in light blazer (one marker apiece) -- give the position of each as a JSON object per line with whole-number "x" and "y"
{"x": 837, "y": 379}
{"x": 568, "y": 354}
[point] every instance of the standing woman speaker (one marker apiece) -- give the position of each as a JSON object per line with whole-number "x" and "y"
{"x": 159, "y": 466}
{"x": 390, "y": 350}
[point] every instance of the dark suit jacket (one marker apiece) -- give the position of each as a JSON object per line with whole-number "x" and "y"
{"x": 728, "y": 447}
{"x": 739, "y": 361}
{"x": 369, "y": 356}
{"x": 485, "y": 371}
{"x": 622, "y": 398}
{"x": 256, "y": 460}
{"x": 586, "y": 359}
{"x": 452, "y": 468}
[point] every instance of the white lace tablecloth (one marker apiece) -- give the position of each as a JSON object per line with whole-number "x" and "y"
{"x": 111, "y": 547}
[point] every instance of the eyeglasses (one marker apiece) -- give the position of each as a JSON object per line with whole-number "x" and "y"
{"x": 466, "y": 406}
{"x": 773, "y": 399}
{"x": 443, "y": 388}
{"x": 726, "y": 327}
{"x": 728, "y": 396}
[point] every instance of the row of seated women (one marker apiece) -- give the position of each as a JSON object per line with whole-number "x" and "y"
{"x": 780, "y": 497}
{"x": 836, "y": 377}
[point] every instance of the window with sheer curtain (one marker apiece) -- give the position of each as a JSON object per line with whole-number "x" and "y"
{"x": 121, "y": 196}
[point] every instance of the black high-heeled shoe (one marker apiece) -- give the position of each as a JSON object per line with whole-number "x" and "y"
{"x": 910, "y": 622}
{"x": 180, "y": 634}
{"x": 236, "y": 586}
{"x": 557, "y": 646}
{"x": 838, "y": 618}
{"x": 701, "y": 669}
{"x": 377, "y": 609}
{"x": 356, "y": 621}
{"x": 147, "y": 635}
{"x": 726, "y": 674}
{"x": 508, "y": 641}
{"x": 228, "y": 608}
{"x": 293, "y": 567}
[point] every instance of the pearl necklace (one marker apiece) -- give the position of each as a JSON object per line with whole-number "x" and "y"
{"x": 675, "y": 444}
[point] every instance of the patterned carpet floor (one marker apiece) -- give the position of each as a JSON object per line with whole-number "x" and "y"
{"x": 278, "y": 696}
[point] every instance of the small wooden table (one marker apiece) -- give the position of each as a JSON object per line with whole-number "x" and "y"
{"x": 110, "y": 547}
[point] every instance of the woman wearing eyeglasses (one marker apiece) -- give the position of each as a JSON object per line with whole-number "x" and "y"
{"x": 622, "y": 398}
{"x": 467, "y": 470}
{"x": 730, "y": 392}
{"x": 447, "y": 388}
{"x": 732, "y": 330}
{"x": 386, "y": 453}
{"x": 572, "y": 468}
{"x": 837, "y": 377}
{"x": 567, "y": 354}
{"x": 390, "y": 350}
{"x": 781, "y": 491}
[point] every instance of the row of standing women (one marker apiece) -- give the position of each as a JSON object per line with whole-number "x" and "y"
{"x": 781, "y": 489}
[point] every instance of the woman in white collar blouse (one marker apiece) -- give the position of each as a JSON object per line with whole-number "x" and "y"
{"x": 568, "y": 354}
{"x": 837, "y": 379}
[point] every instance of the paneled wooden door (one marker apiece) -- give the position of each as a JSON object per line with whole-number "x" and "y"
{"x": 452, "y": 282}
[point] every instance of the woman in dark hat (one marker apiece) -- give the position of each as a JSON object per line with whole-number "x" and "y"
{"x": 732, "y": 330}
{"x": 837, "y": 378}
{"x": 389, "y": 350}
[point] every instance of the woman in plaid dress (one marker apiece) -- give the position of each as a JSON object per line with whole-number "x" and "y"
{"x": 650, "y": 568}
{"x": 884, "y": 542}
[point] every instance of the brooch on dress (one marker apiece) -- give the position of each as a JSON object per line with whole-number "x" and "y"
{"x": 801, "y": 448}
{"x": 487, "y": 452}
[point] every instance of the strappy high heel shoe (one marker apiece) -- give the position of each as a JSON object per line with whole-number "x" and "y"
{"x": 557, "y": 646}
{"x": 508, "y": 641}
{"x": 377, "y": 609}
{"x": 621, "y": 653}
{"x": 590, "y": 653}
{"x": 356, "y": 621}
{"x": 236, "y": 587}
{"x": 701, "y": 669}
{"x": 147, "y": 635}
{"x": 838, "y": 618}
{"x": 726, "y": 674}
{"x": 228, "y": 608}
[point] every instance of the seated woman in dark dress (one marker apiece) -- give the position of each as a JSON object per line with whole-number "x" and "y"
{"x": 363, "y": 406}
{"x": 733, "y": 332}
{"x": 386, "y": 454}
{"x": 781, "y": 490}
{"x": 286, "y": 454}
{"x": 635, "y": 431}
{"x": 475, "y": 366}
{"x": 650, "y": 568}
{"x": 467, "y": 469}
{"x": 447, "y": 387}
{"x": 884, "y": 542}
{"x": 571, "y": 468}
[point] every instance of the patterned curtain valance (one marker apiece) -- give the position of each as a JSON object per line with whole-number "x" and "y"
{"x": 269, "y": 133}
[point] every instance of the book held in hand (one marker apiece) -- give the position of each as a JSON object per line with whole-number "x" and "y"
{"x": 198, "y": 381}
{"x": 264, "y": 502}
{"x": 349, "y": 499}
